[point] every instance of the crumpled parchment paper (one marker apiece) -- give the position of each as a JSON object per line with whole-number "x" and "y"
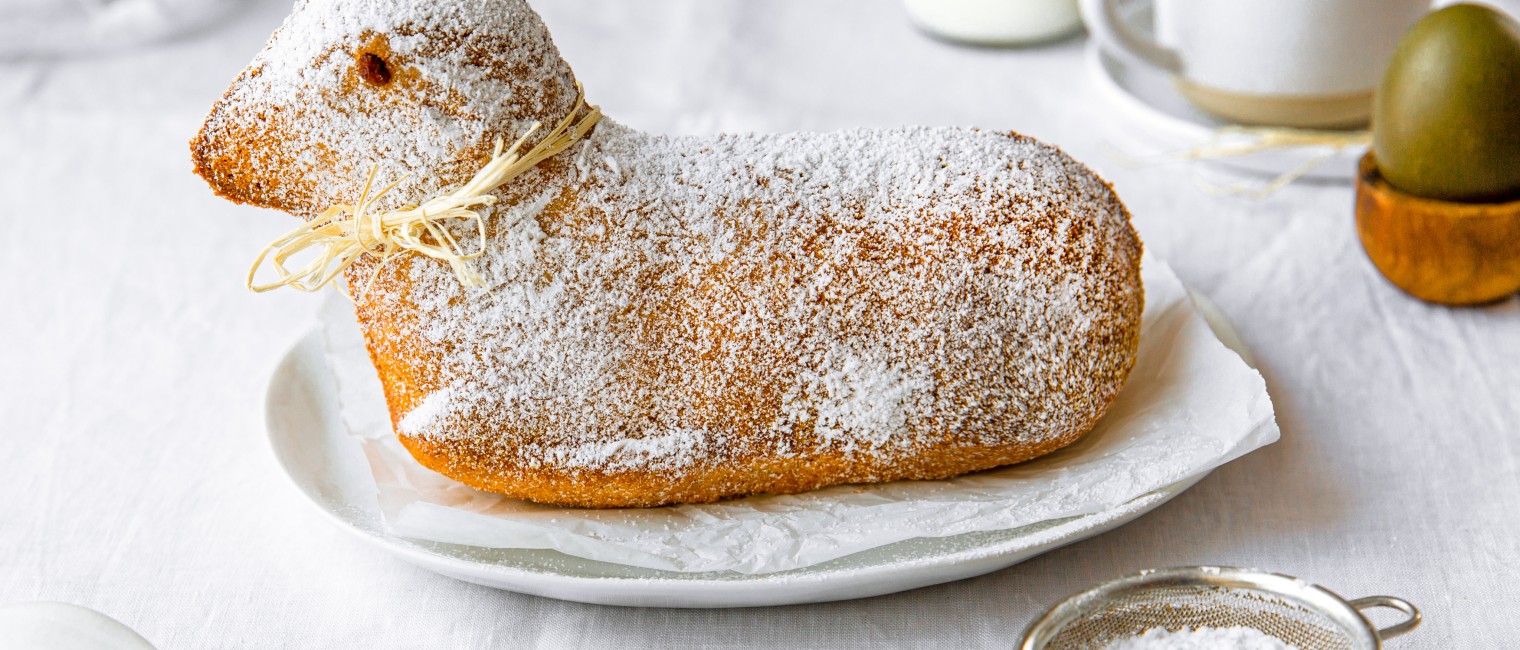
{"x": 1189, "y": 406}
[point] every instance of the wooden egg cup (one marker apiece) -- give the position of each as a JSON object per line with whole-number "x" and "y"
{"x": 1439, "y": 251}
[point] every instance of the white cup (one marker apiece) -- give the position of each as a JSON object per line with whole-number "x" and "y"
{"x": 996, "y": 22}
{"x": 1299, "y": 63}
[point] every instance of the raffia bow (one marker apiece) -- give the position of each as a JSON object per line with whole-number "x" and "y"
{"x": 344, "y": 234}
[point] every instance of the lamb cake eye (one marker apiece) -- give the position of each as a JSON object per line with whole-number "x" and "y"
{"x": 373, "y": 69}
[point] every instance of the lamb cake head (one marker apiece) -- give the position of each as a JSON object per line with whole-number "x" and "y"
{"x": 642, "y": 319}
{"x": 417, "y": 89}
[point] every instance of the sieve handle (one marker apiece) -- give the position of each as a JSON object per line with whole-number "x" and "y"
{"x": 1392, "y": 603}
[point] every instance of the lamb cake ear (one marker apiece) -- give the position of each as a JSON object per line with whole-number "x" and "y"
{"x": 418, "y": 90}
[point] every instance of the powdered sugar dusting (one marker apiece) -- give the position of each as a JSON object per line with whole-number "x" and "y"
{"x": 854, "y": 399}
{"x": 423, "y": 416}
{"x": 672, "y": 449}
{"x": 1203, "y": 638}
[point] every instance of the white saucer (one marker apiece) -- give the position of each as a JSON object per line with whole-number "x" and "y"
{"x": 1155, "y": 119}
{"x": 327, "y": 465}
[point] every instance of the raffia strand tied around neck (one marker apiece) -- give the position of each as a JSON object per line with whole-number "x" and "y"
{"x": 344, "y": 234}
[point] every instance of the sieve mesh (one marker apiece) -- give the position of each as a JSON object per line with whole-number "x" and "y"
{"x": 1173, "y": 607}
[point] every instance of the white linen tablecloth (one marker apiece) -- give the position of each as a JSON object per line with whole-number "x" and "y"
{"x": 134, "y": 473}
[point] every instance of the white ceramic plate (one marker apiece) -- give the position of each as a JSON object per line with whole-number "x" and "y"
{"x": 1155, "y": 119}
{"x": 328, "y": 466}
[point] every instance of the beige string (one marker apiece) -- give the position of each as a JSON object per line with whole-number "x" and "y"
{"x": 1259, "y": 140}
{"x": 343, "y": 234}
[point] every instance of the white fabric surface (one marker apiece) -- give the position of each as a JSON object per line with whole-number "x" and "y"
{"x": 136, "y": 479}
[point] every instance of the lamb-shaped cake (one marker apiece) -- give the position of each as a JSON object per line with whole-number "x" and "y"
{"x": 663, "y": 319}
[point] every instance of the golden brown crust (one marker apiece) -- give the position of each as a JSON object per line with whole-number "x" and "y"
{"x": 476, "y": 465}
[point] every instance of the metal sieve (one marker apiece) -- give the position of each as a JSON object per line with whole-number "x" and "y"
{"x": 1295, "y": 612}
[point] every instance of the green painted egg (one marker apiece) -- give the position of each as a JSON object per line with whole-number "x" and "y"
{"x": 1446, "y": 121}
